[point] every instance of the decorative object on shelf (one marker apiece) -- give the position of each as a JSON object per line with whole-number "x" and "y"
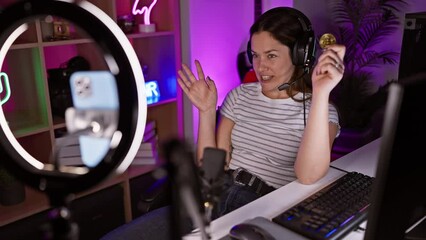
{"x": 146, "y": 26}
{"x": 61, "y": 30}
{"x": 12, "y": 191}
{"x": 126, "y": 23}
{"x": 148, "y": 150}
{"x": 152, "y": 92}
{"x": 152, "y": 89}
{"x": 58, "y": 81}
{"x": 4, "y": 87}
{"x": 55, "y": 29}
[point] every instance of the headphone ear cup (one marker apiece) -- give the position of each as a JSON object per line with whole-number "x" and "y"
{"x": 310, "y": 50}
{"x": 304, "y": 51}
{"x": 249, "y": 54}
{"x": 297, "y": 55}
{"x": 301, "y": 50}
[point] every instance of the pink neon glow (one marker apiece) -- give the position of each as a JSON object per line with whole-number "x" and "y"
{"x": 141, "y": 11}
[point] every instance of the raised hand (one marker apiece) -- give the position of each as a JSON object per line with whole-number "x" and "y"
{"x": 329, "y": 69}
{"x": 202, "y": 91}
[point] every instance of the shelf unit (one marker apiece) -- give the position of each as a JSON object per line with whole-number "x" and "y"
{"x": 28, "y": 110}
{"x": 38, "y": 204}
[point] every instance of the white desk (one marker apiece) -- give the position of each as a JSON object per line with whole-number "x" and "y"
{"x": 363, "y": 160}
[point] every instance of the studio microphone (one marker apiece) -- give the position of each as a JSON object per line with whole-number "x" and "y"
{"x": 213, "y": 166}
{"x": 185, "y": 186}
{"x": 213, "y": 178}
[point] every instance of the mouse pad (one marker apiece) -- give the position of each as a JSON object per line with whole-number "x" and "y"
{"x": 277, "y": 231}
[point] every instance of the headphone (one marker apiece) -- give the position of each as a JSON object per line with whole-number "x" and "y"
{"x": 303, "y": 52}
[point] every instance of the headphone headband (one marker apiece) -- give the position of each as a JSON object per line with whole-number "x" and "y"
{"x": 302, "y": 18}
{"x": 303, "y": 53}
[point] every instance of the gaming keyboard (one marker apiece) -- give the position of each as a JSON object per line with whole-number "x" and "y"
{"x": 333, "y": 211}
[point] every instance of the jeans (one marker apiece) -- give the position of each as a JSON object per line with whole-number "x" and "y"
{"x": 234, "y": 197}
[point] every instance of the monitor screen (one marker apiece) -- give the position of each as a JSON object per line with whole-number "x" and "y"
{"x": 398, "y": 198}
{"x": 413, "y": 46}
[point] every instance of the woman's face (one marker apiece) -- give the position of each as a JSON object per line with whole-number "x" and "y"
{"x": 271, "y": 62}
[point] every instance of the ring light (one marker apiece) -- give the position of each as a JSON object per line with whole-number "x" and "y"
{"x": 122, "y": 62}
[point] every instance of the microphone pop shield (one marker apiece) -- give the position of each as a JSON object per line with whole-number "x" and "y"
{"x": 213, "y": 163}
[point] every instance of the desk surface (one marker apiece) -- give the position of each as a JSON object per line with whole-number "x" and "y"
{"x": 362, "y": 160}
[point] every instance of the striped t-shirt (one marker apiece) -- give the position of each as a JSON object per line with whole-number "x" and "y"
{"x": 267, "y": 132}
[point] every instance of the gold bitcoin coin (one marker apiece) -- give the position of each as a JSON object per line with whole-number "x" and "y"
{"x": 327, "y": 39}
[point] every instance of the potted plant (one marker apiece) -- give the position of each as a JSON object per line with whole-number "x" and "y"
{"x": 362, "y": 26}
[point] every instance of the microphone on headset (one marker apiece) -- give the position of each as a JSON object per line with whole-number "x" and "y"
{"x": 284, "y": 86}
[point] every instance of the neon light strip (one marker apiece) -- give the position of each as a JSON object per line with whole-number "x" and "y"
{"x": 3, "y": 123}
{"x": 7, "y": 86}
{"x": 140, "y": 81}
{"x": 151, "y": 89}
{"x": 147, "y": 10}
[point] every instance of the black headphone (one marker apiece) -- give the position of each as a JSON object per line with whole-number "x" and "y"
{"x": 303, "y": 52}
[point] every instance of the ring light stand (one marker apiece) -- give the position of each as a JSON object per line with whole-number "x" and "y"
{"x": 122, "y": 63}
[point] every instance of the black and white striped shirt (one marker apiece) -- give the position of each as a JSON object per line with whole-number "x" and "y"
{"x": 267, "y": 132}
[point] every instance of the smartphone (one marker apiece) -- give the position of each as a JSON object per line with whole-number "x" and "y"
{"x": 95, "y": 105}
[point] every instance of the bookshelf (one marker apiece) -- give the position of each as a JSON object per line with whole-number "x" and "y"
{"x": 29, "y": 109}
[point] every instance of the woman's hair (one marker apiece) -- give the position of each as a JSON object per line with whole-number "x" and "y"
{"x": 283, "y": 23}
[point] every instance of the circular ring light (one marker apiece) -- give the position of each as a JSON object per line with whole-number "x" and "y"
{"x": 123, "y": 63}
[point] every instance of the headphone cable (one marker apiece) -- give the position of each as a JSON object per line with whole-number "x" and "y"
{"x": 284, "y": 86}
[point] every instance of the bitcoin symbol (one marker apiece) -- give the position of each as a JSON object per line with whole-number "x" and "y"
{"x": 327, "y": 39}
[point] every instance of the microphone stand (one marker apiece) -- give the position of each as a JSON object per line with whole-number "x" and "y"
{"x": 93, "y": 123}
{"x": 60, "y": 226}
{"x": 185, "y": 189}
{"x": 197, "y": 190}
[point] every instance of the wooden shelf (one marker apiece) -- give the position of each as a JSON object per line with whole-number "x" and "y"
{"x": 37, "y": 201}
{"x": 66, "y": 42}
{"x": 148, "y": 35}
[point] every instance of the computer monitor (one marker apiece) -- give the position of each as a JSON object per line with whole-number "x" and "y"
{"x": 398, "y": 196}
{"x": 413, "y": 46}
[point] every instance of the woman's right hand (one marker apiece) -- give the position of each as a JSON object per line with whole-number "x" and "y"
{"x": 202, "y": 91}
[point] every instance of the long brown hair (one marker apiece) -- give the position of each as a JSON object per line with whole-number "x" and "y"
{"x": 284, "y": 25}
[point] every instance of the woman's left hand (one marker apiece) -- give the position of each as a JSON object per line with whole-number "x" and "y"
{"x": 329, "y": 69}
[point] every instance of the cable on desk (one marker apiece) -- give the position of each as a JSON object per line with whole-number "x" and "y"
{"x": 339, "y": 169}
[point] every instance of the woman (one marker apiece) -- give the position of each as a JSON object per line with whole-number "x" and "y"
{"x": 280, "y": 128}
